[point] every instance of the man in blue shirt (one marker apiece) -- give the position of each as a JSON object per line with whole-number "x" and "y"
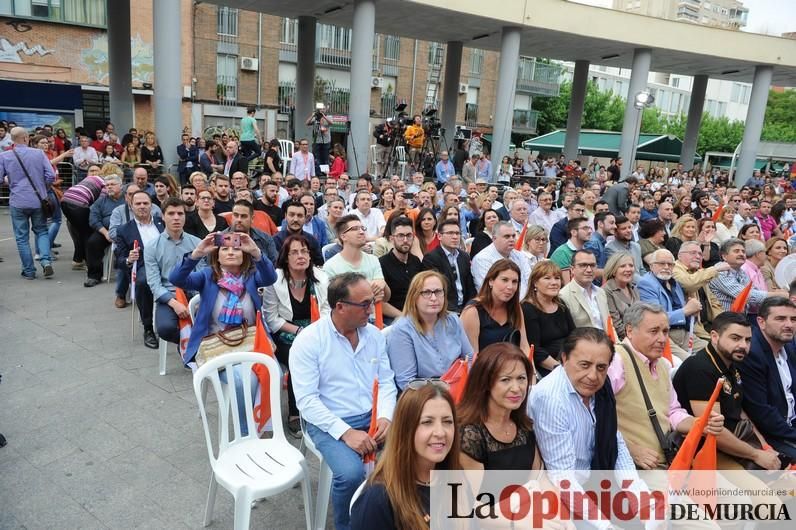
{"x": 99, "y": 219}
{"x": 444, "y": 169}
{"x": 26, "y": 212}
{"x": 333, "y": 364}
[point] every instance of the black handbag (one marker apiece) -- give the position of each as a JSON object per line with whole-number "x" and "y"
{"x": 47, "y": 206}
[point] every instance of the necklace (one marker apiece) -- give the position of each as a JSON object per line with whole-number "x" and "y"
{"x": 297, "y": 284}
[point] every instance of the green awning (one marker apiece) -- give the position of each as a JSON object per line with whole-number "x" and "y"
{"x": 487, "y": 139}
{"x": 605, "y": 144}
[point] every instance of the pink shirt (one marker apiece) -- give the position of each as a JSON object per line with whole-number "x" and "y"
{"x": 767, "y": 225}
{"x": 616, "y": 374}
{"x": 754, "y": 273}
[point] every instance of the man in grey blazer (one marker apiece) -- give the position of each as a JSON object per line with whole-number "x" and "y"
{"x": 586, "y": 302}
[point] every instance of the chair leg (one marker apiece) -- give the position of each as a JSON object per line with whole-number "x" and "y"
{"x": 324, "y": 489}
{"x": 307, "y": 494}
{"x": 211, "y": 499}
{"x": 243, "y": 510}
{"x": 163, "y": 348}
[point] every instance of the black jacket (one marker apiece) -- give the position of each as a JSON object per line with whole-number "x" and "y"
{"x": 125, "y": 237}
{"x": 437, "y": 260}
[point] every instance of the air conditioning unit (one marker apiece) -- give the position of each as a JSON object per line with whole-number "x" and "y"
{"x": 376, "y": 82}
{"x": 463, "y": 88}
{"x": 249, "y": 63}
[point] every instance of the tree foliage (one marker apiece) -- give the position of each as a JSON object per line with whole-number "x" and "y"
{"x": 605, "y": 111}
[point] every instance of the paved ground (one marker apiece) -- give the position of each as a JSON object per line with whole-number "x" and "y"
{"x": 96, "y": 438}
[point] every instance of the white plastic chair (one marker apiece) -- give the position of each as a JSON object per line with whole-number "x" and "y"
{"x": 286, "y": 150}
{"x": 373, "y": 166}
{"x": 401, "y": 150}
{"x": 246, "y": 466}
{"x": 163, "y": 346}
{"x": 356, "y": 495}
{"x": 107, "y": 262}
{"x": 324, "y": 480}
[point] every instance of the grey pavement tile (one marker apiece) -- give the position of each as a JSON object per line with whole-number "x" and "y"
{"x": 40, "y": 447}
{"x": 101, "y": 440}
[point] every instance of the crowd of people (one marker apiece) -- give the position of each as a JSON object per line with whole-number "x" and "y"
{"x": 639, "y": 277}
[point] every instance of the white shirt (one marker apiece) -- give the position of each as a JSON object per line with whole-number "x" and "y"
{"x": 590, "y": 295}
{"x": 149, "y": 232}
{"x": 541, "y": 218}
{"x": 332, "y": 380}
{"x": 84, "y": 157}
{"x": 453, "y": 260}
{"x": 373, "y": 222}
{"x": 488, "y": 256}
{"x": 302, "y": 166}
{"x": 784, "y": 376}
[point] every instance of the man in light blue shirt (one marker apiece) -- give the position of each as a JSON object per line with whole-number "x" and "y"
{"x": 333, "y": 364}
{"x": 444, "y": 169}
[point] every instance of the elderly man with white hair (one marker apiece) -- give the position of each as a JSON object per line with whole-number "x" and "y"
{"x": 755, "y": 259}
{"x": 659, "y": 287}
{"x": 99, "y": 218}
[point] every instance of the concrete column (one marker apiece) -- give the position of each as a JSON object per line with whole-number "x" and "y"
{"x": 450, "y": 90}
{"x": 579, "y": 80}
{"x": 168, "y": 70}
{"x": 120, "y": 72}
{"x": 642, "y": 57}
{"x": 305, "y": 76}
{"x": 754, "y": 123}
{"x": 695, "y": 107}
{"x": 364, "y": 32}
{"x": 504, "y": 95}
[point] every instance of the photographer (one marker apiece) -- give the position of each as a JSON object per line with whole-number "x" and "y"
{"x": 415, "y": 136}
{"x": 321, "y": 137}
{"x": 384, "y": 134}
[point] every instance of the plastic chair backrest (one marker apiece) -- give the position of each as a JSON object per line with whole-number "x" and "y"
{"x": 373, "y": 158}
{"x": 286, "y": 150}
{"x": 193, "y": 306}
{"x": 227, "y": 216}
{"x": 228, "y": 401}
{"x": 356, "y": 495}
{"x": 401, "y": 150}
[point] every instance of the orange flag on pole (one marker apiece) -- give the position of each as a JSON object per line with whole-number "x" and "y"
{"x": 739, "y": 304}
{"x": 610, "y": 331}
{"x": 370, "y": 458}
{"x": 262, "y": 344}
{"x": 667, "y": 351}
{"x": 184, "y": 325}
{"x": 521, "y": 239}
{"x": 717, "y": 213}
{"x": 315, "y": 312}
{"x": 685, "y": 456}
{"x": 456, "y": 377}
{"x": 379, "y": 316}
{"x": 531, "y": 351}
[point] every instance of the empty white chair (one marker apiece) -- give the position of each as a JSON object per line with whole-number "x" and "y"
{"x": 246, "y": 466}
{"x": 286, "y": 150}
{"x": 401, "y": 151}
{"x": 107, "y": 262}
{"x": 324, "y": 480}
{"x": 373, "y": 167}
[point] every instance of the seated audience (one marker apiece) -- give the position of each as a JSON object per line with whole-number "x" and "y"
{"x": 652, "y": 235}
{"x": 241, "y": 221}
{"x": 399, "y": 265}
{"x": 504, "y": 238}
{"x": 586, "y": 302}
{"x": 694, "y": 279}
{"x": 620, "y": 288}
{"x": 203, "y": 220}
{"x": 728, "y": 284}
{"x": 99, "y": 218}
{"x": 580, "y": 232}
{"x": 426, "y": 237}
{"x": 535, "y": 244}
{"x": 482, "y": 231}
{"x": 454, "y": 264}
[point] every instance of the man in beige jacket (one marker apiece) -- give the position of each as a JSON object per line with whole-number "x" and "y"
{"x": 694, "y": 280}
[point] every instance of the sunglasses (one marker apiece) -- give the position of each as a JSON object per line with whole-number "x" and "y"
{"x": 417, "y": 384}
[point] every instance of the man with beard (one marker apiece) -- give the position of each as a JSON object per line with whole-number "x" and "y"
{"x": 695, "y": 379}
{"x": 188, "y": 196}
{"x": 224, "y": 200}
{"x": 295, "y": 218}
{"x": 769, "y": 374}
{"x": 241, "y": 221}
{"x": 658, "y": 287}
{"x": 269, "y": 202}
{"x": 399, "y": 266}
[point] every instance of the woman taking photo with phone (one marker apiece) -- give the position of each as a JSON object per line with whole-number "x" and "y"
{"x": 423, "y": 436}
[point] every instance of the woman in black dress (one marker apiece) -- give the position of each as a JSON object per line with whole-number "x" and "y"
{"x": 424, "y": 435}
{"x": 273, "y": 162}
{"x": 496, "y": 432}
{"x": 547, "y": 319}
{"x": 482, "y": 231}
{"x": 151, "y": 154}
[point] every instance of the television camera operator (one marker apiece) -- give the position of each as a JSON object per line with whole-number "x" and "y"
{"x": 385, "y": 134}
{"x": 415, "y": 136}
{"x": 321, "y": 136}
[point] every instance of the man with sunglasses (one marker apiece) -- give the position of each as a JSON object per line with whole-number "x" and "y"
{"x": 333, "y": 364}
{"x": 351, "y": 234}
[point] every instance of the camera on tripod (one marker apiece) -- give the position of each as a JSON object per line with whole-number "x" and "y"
{"x": 431, "y": 124}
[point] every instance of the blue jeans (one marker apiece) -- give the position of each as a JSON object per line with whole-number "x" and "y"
{"x": 22, "y": 221}
{"x": 348, "y": 471}
{"x": 55, "y": 221}
{"x": 255, "y": 385}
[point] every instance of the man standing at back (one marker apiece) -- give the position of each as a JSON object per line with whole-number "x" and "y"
{"x": 16, "y": 165}
{"x": 249, "y": 136}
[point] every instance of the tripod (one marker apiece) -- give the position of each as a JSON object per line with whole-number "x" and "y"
{"x": 397, "y": 141}
{"x": 350, "y": 141}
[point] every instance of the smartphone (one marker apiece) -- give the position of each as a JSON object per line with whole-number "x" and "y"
{"x": 228, "y": 239}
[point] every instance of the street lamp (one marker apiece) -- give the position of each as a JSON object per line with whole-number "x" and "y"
{"x": 641, "y": 101}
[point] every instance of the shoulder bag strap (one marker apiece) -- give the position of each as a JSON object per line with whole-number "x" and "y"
{"x": 653, "y": 416}
{"x": 25, "y": 170}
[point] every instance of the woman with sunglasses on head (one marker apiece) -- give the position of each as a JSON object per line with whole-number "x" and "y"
{"x": 496, "y": 432}
{"x": 426, "y": 339}
{"x": 423, "y": 436}
{"x": 287, "y": 303}
{"x": 495, "y": 314}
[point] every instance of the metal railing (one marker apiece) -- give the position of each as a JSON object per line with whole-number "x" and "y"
{"x": 471, "y": 114}
{"x": 387, "y": 105}
{"x": 538, "y": 78}
{"x": 338, "y": 100}
{"x": 227, "y": 89}
{"x": 525, "y": 120}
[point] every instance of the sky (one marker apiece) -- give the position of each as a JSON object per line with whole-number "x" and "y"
{"x": 771, "y": 17}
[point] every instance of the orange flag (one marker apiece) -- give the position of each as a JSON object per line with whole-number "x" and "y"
{"x": 315, "y": 313}
{"x": 521, "y": 238}
{"x": 611, "y": 332}
{"x": 717, "y": 213}
{"x": 262, "y": 344}
{"x": 456, "y": 377}
{"x": 184, "y": 325}
{"x": 739, "y": 304}
{"x": 531, "y": 350}
{"x": 370, "y": 458}
{"x": 685, "y": 456}
{"x": 667, "y": 351}
{"x": 379, "y": 316}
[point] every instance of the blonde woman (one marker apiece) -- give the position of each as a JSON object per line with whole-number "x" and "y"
{"x": 535, "y": 244}
{"x": 620, "y": 289}
{"x": 725, "y": 227}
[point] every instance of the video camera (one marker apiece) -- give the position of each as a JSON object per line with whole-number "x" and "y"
{"x": 401, "y": 119}
{"x": 431, "y": 124}
{"x": 319, "y": 108}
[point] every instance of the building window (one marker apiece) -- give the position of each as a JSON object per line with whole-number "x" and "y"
{"x": 227, "y": 77}
{"x": 227, "y": 21}
{"x": 289, "y": 31}
{"x": 476, "y": 61}
{"x": 435, "y": 54}
{"x": 335, "y": 37}
{"x": 675, "y": 82}
{"x": 83, "y": 12}
{"x": 392, "y": 48}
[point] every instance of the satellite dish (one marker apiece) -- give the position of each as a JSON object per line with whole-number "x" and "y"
{"x": 785, "y": 272}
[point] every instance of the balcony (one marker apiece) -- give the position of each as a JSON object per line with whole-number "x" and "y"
{"x": 227, "y": 89}
{"x": 524, "y": 121}
{"x": 538, "y": 78}
{"x": 471, "y": 114}
{"x": 337, "y": 100}
{"x": 387, "y": 105}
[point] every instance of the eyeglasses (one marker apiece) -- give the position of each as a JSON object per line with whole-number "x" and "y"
{"x": 362, "y": 305}
{"x": 586, "y": 265}
{"x": 403, "y": 236}
{"x": 664, "y": 263}
{"x": 417, "y": 384}
{"x": 540, "y": 239}
{"x": 358, "y": 227}
{"x": 428, "y": 293}
{"x": 205, "y": 198}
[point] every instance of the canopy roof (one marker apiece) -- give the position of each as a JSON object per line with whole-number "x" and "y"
{"x": 657, "y": 147}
